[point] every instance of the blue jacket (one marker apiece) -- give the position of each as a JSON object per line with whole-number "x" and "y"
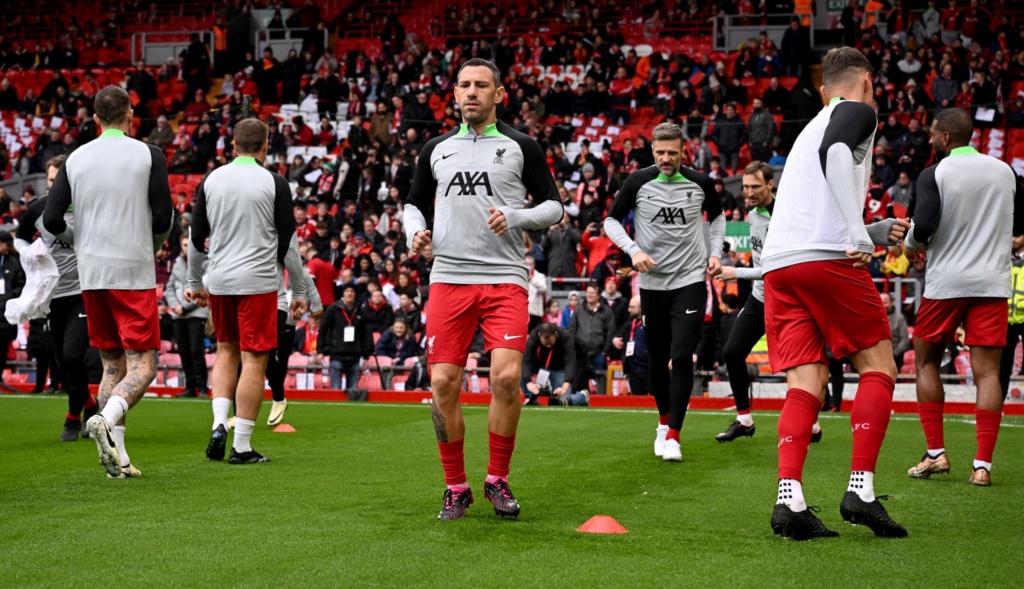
{"x": 387, "y": 345}
{"x": 637, "y": 363}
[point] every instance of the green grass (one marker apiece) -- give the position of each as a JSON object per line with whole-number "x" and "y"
{"x": 351, "y": 500}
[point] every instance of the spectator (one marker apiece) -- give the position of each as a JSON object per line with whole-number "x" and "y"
{"x": 377, "y": 313}
{"x": 630, "y": 339}
{"x": 409, "y": 312}
{"x": 945, "y": 87}
{"x": 775, "y": 96}
{"x": 551, "y": 356}
{"x": 729, "y": 134}
{"x": 189, "y": 327}
{"x": 8, "y": 95}
{"x": 902, "y": 193}
{"x": 592, "y": 327}
{"x": 323, "y": 273}
{"x": 572, "y": 303}
{"x": 616, "y": 302}
{"x": 162, "y": 135}
{"x": 761, "y": 127}
{"x": 537, "y": 289}
{"x": 796, "y": 48}
{"x": 553, "y": 313}
{"x": 397, "y": 343}
{"x": 344, "y": 339}
{"x": 560, "y": 249}
{"x": 14, "y": 278}
{"x": 898, "y": 326}
{"x": 699, "y": 154}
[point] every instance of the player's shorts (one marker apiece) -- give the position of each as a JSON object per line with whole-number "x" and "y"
{"x": 816, "y": 303}
{"x": 250, "y": 320}
{"x": 455, "y": 310}
{"x": 983, "y": 318}
{"x": 122, "y": 319}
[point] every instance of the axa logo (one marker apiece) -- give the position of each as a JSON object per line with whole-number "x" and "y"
{"x": 467, "y": 183}
{"x": 756, "y": 244}
{"x": 498, "y": 153}
{"x": 669, "y": 215}
{"x": 785, "y": 440}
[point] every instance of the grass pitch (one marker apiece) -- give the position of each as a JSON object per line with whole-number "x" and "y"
{"x": 351, "y": 500}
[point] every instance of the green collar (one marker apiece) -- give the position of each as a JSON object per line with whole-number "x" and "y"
{"x": 834, "y": 100}
{"x": 113, "y": 133}
{"x": 764, "y": 212}
{"x": 677, "y": 177}
{"x": 965, "y": 150}
{"x": 491, "y": 129}
{"x": 244, "y": 160}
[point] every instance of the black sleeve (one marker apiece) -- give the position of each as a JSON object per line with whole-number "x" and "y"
{"x": 712, "y": 203}
{"x": 424, "y": 185}
{"x": 537, "y": 178}
{"x": 1018, "y": 207}
{"x": 625, "y": 201}
{"x": 323, "y": 341}
{"x": 851, "y": 124}
{"x": 58, "y": 200}
{"x": 200, "y": 226}
{"x": 284, "y": 219}
{"x": 159, "y": 193}
{"x": 27, "y": 223}
{"x": 530, "y": 353}
{"x": 929, "y": 206}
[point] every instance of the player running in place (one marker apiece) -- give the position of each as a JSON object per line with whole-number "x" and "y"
{"x": 67, "y": 329}
{"x": 758, "y": 181}
{"x": 668, "y": 202}
{"x": 122, "y": 215}
{"x": 301, "y": 287}
{"x": 246, "y": 211}
{"x": 815, "y": 252}
{"x": 475, "y": 180}
{"x": 969, "y": 206}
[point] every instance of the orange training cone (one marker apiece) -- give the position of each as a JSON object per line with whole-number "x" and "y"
{"x": 284, "y": 428}
{"x": 602, "y": 524}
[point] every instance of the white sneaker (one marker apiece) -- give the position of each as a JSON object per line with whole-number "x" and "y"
{"x": 99, "y": 431}
{"x": 671, "y": 452}
{"x": 277, "y": 413}
{"x": 127, "y": 472}
{"x": 659, "y": 440}
{"x": 231, "y": 423}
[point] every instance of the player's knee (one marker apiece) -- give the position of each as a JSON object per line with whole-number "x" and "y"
{"x": 506, "y": 380}
{"x": 445, "y": 382}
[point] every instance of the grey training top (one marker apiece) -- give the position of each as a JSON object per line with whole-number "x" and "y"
{"x": 62, "y": 253}
{"x": 246, "y": 211}
{"x": 118, "y": 189}
{"x": 459, "y": 177}
{"x": 966, "y": 213}
{"x": 668, "y": 215}
{"x": 758, "y": 218}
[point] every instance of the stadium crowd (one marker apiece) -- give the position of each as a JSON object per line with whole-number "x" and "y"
{"x": 368, "y": 113}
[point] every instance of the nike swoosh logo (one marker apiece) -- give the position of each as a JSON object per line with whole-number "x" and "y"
{"x": 81, "y": 315}
{"x": 689, "y": 312}
{"x": 447, "y": 155}
{"x": 508, "y": 337}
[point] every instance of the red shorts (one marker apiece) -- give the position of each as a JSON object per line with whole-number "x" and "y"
{"x": 827, "y": 302}
{"x": 250, "y": 320}
{"x": 455, "y": 310}
{"x": 122, "y": 319}
{"x": 984, "y": 320}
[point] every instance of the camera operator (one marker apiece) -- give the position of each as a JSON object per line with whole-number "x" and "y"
{"x": 551, "y": 355}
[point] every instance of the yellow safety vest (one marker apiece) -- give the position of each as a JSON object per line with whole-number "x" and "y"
{"x": 1016, "y": 300}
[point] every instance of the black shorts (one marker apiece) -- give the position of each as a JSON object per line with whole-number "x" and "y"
{"x": 674, "y": 316}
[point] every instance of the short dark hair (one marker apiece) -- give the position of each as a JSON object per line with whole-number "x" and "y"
{"x": 250, "y": 135}
{"x": 594, "y": 285}
{"x": 758, "y": 166}
{"x": 480, "y": 62}
{"x": 56, "y": 161}
{"x": 957, "y": 122}
{"x": 112, "y": 105}
{"x": 546, "y": 329}
{"x": 841, "y": 63}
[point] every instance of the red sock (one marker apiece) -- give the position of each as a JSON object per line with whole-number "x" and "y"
{"x": 673, "y": 434}
{"x": 663, "y": 419}
{"x": 988, "y": 431}
{"x": 869, "y": 418}
{"x": 453, "y": 460}
{"x": 90, "y": 402}
{"x": 931, "y": 422}
{"x": 501, "y": 454}
{"x": 799, "y": 413}
{"x": 74, "y": 417}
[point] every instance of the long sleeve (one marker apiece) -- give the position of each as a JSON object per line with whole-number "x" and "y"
{"x": 712, "y": 206}
{"x": 160, "y": 198}
{"x": 529, "y": 354}
{"x": 421, "y": 195}
{"x": 569, "y": 353}
{"x": 58, "y": 201}
{"x": 1018, "y": 207}
{"x": 851, "y": 124}
{"x": 879, "y": 232}
{"x": 541, "y": 186}
{"x": 199, "y": 231}
{"x": 753, "y": 273}
{"x": 323, "y": 338}
{"x": 928, "y": 210}
{"x": 624, "y": 203}
{"x": 539, "y": 217}
{"x": 284, "y": 221}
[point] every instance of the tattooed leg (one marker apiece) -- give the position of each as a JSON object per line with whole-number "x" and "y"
{"x": 114, "y": 370}
{"x": 446, "y": 382}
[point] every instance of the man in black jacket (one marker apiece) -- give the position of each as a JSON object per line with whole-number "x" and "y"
{"x": 345, "y": 339}
{"x": 551, "y": 355}
{"x": 11, "y": 282}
